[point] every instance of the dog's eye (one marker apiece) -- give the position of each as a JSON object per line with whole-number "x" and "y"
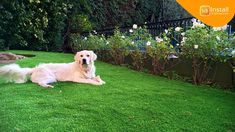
{"x": 81, "y": 55}
{"x": 87, "y": 55}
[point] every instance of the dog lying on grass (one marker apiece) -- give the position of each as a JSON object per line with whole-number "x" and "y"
{"x": 7, "y": 58}
{"x": 80, "y": 71}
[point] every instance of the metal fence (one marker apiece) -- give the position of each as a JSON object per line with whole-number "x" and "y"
{"x": 153, "y": 28}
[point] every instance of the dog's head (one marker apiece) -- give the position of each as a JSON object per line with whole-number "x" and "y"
{"x": 85, "y": 57}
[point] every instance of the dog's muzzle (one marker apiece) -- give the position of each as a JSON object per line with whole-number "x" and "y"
{"x": 84, "y": 62}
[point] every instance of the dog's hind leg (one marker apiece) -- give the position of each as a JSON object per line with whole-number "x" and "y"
{"x": 43, "y": 77}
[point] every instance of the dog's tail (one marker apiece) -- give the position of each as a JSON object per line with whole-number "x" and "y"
{"x": 14, "y": 73}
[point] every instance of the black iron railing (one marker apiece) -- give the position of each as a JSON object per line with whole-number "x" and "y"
{"x": 153, "y": 28}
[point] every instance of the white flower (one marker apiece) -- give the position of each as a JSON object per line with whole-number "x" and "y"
{"x": 172, "y": 56}
{"x": 220, "y": 28}
{"x": 218, "y": 38}
{"x": 145, "y": 22}
{"x": 233, "y": 53}
{"x": 148, "y": 43}
{"x": 165, "y": 38}
{"x": 194, "y": 24}
{"x": 94, "y": 32}
{"x": 123, "y": 36}
{"x": 159, "y": 40}
{"x": 197, "y": 24}
{"x": 183, "y": 33}
{"x": 217, "y": 28}
{"x": 131, "y": 31}
{"x": 107, "y": 42}
{"x": 135, "y": 26}
{"x": 195, "y": 46}
{"x": 224, "y": 27}
{"x": 177, "y": 44}
{"x": 177, "y": 29}
{"x": 85, "y": 38}
{"x": 40, "y": 10}
{"x": 194, "y": 20}
{"x": 132, "y": 42}
{"x": 166, "y": 31}
{"x": 183, "y": 40}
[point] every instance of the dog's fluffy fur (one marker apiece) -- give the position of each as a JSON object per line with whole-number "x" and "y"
{"x": 80, "y": 71}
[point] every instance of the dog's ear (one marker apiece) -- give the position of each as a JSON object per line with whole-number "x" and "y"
{"x": 76, "y": 57}
{"x": 93, "y": 56}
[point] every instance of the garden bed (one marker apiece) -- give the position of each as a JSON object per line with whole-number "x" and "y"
{"x": 221, "y": 74}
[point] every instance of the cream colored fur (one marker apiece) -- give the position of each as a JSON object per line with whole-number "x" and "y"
{"x": 44, "y": 74}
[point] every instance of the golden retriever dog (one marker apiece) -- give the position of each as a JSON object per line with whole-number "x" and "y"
{"x": 80, "y": 71}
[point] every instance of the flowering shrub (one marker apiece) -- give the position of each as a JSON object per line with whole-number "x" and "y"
{"x": 139, "y": 39}
{"x": 118, "y": 46}
{"x": 92, "y": 42}
{"x": 204, "y": 46}
{"x": 159, "y": 51}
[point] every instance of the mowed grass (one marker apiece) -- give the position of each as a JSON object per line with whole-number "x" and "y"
{"x": 129, "y": 101}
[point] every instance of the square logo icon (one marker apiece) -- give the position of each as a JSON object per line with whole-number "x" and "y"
{"x": 204, "y": 10}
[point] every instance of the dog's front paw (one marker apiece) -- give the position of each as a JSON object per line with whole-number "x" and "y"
{"x": 97, "y": 83}
{"x": 98, "y": 79}
{"x": 104, "y": 82}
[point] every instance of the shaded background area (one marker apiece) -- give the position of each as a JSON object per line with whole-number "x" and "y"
{"x": 44, "y": 24}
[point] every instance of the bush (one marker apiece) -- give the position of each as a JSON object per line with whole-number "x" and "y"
{"x": 118, "y": 47}
{"x": 139, "y": 37}
{"x": 159, "y": 51}
{"x": 81, "y": 23}
{"x": 204, "y": 46}
{"x": 2, "y": 45}
{"x": 92, "y": 42}
{"x": 33, "y": 24}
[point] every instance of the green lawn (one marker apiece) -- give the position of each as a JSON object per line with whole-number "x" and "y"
{"x": 129, "y": 101}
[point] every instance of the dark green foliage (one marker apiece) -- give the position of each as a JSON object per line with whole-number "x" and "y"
{"x": 45, "y": 24}
{"x": 33, "y": 24}
{"x": 172, "y": 10}
{"x": 2, "y": 44}
{"x": 108, "y": 13}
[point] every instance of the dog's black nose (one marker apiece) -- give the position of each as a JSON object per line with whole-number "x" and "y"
{"x": 84, "y": 61}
